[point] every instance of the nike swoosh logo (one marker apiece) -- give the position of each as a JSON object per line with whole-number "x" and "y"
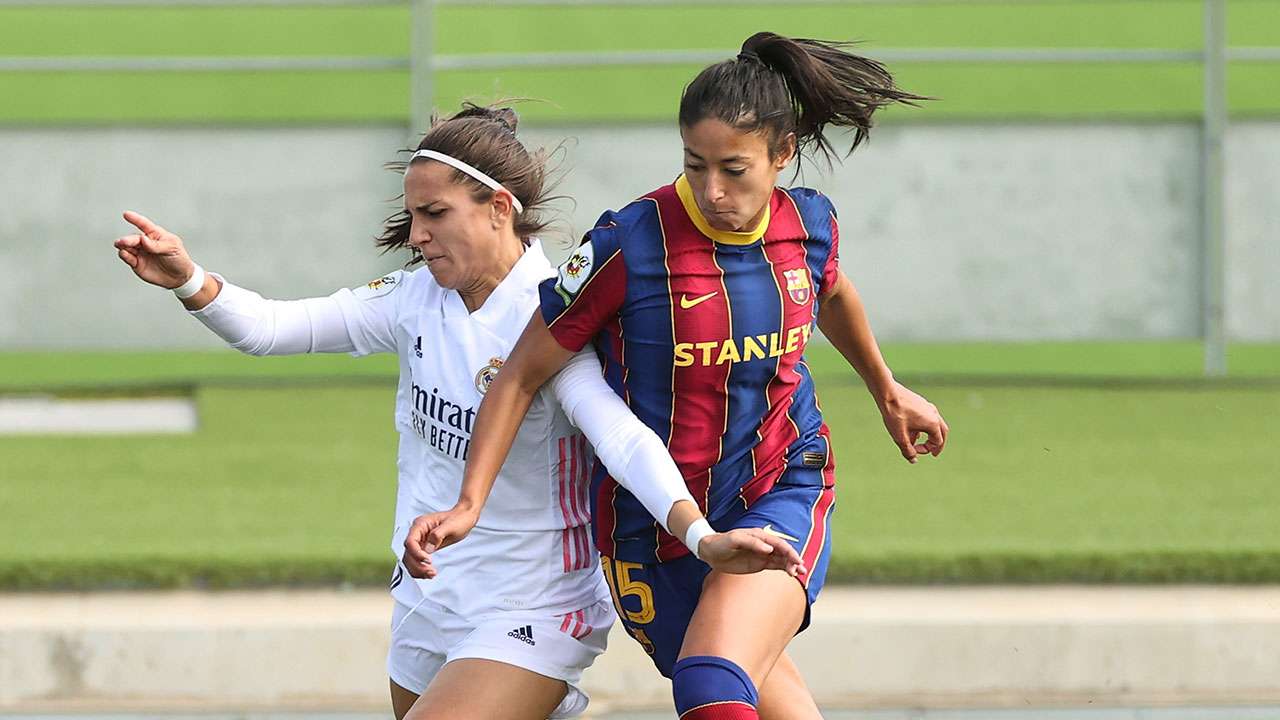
{"x": 686, "y": 303}
{"x": 769, "y": 529}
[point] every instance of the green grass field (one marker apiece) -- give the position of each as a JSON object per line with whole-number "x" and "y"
{"x": 1154, "y": 90}
{"x": 1131, "y": 471}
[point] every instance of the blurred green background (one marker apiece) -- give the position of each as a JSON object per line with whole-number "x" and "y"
{"x": 1093, "y": 462}
{"x": 1149, "y": 90}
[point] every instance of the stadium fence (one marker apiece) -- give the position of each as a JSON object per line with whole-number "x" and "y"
{"x": 423, "y": 63}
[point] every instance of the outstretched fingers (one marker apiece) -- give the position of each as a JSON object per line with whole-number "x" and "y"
{"x": 145, "y": 225}
{"x": 783, "y": 550}
{"x": 780, "y": 553}
{"x": 154, "y": 239}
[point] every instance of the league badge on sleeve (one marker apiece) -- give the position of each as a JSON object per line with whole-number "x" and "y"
{"x": 798, "y": 285}
{"x": 380, "y": 286}
{"x": 574, "y": 272}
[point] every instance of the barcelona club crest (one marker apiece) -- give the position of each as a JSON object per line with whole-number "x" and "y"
{"x": 574, "y": 272}
{"x": 485, "y": 377}
{"x": 798, "y": 285}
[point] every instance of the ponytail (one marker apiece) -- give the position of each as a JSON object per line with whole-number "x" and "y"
{"x": 782, "y": 85}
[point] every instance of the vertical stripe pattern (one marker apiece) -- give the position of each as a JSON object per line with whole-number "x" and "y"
{"x": 700, "y": 317}
{"x": 820, "y": 512}
{"x": 706, "y": 347}
{"x": 576, "y": 547}
{"x": 575, "y": 624}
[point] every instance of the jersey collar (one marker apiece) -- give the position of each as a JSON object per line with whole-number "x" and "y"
{"x": 530, "y": 268}
{"x": 685, "y": 191}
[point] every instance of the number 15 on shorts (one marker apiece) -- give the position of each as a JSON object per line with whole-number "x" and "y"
{"x": 633, "y": 598}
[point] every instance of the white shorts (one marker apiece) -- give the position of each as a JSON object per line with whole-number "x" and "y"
{"x": 556, "y": 646}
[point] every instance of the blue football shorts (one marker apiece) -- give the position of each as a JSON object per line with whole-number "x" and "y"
{"x": 655, "y": 601}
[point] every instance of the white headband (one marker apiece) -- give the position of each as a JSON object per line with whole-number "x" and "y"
{"x": 456, "y": 163}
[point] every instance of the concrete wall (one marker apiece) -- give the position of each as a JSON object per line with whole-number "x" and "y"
{"x": 291, "y": 212}
{"x": 886, "y": 647}
{"x": 1030, "y": 231}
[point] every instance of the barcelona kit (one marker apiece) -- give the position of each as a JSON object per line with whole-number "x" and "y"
{"x": 702, "y": 333}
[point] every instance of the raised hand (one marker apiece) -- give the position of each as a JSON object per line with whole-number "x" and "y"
{"x": 155, "y": 254}
{"x": 907, "y": 416}
{"x": 431, "y": 532}
{"x": 747, "y": 550}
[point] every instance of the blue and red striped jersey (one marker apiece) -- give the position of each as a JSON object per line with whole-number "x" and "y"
{"x": 702, "y": 333}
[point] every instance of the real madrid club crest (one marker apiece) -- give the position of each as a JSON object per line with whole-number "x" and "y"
{"x": 798, "y": 285}
{"x": 485, "y": 377}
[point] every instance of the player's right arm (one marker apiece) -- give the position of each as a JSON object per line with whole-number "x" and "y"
{"x": 587, "y": 291}
{"x": 342, "y": 322}
{"x": 159, "y": 257}
{"x": 640, "y": 462}
{"x": 633, "y": 453}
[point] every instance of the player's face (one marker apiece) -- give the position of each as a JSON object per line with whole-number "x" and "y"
{"x": 458, "y": 238}
{"x": 731, "y": 172}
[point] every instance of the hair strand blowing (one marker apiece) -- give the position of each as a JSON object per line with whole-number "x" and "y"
{"x": 782, "y": 85}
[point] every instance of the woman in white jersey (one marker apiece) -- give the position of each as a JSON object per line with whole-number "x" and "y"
{"x": 508, "y": 630}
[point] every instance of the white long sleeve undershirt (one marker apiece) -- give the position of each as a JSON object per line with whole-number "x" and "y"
{"x": 634, "y": 455}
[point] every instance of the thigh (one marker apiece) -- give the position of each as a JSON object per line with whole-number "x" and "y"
{"x": 475, "y": 689}
{"x": 748, "y": 619}
{"x": 798, "y": 509}
{"x": 401, "y": 700}
{"x": 784, "y": 694}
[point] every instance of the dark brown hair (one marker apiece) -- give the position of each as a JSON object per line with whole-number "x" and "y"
{"x": 483, "y": 137}
{"x": 779, "y": 85}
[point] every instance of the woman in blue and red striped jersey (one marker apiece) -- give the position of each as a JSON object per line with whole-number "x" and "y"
{"x": 700, "y": 298}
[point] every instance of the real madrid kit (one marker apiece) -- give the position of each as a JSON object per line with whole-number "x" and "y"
{"x": 524, "y": 587}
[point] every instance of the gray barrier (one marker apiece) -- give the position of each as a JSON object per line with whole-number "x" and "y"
{"x": 1211, "y": 284}
{"x": 952, "y": 232}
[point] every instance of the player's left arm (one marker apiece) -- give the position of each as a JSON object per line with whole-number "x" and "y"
{"x": 639, "y": 461}
{"x": 843, "y": 320}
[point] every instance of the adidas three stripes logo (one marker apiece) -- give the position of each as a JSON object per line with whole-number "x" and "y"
{"x": 523, "y": 634}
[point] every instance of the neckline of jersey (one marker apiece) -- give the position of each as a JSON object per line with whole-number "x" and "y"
{"x": 525, "y": 264}
{"x": 727, "y": 237}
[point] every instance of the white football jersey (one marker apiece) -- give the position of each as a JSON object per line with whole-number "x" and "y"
{"x": 532, "y": 546}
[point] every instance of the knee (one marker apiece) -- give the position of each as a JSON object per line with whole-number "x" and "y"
{"x": 707, "y": 687}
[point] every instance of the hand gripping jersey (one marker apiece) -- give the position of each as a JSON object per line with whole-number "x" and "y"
{"x": 702, "y": 333}
{"x": 531, "y": 549}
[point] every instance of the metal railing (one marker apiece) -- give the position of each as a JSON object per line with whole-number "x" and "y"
{"x": 422, "y": 64}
